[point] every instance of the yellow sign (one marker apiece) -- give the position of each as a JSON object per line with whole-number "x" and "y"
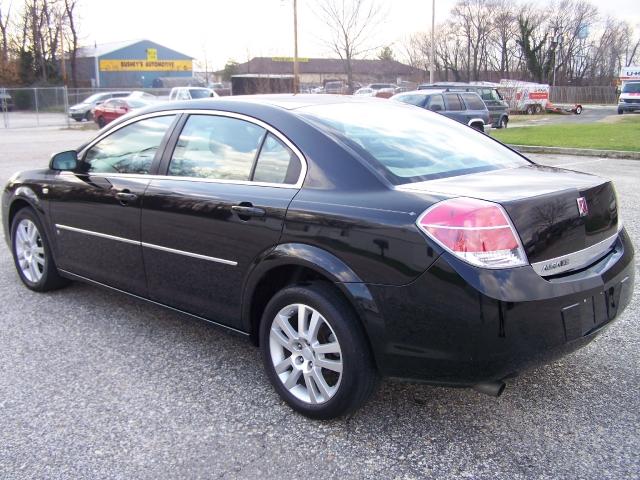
{"x": 146, "y": 65}
{"x": 152, "y": 54}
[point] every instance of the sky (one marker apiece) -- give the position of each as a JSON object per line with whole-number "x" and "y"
{"x": 219, "y": 30}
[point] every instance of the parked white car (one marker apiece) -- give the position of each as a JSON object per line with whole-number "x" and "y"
{"x": 191, "y": 93}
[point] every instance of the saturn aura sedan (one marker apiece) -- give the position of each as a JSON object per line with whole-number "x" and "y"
{"x": 349, "y": 238}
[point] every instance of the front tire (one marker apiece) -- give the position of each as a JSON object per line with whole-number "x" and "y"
{"x": 620, "y": 111}
{"x": 503, "y": 122}
{"x": 315, "y": 353}
{"x": 101, "y": 122}
{"x": 32, "y": 253}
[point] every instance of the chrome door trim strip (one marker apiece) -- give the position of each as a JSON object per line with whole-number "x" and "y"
{"x": 94, "y": 282}
{"x": 148, "y": 245}
{"x": 189, "y": 254}
{"x": 221, "y": 113}
{"x": 96, "y": 234}
{"x": 575, "y": 260}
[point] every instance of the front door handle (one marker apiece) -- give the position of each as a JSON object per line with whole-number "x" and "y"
{"x": 246, "y": 211}
{"x": 126, "y": 197}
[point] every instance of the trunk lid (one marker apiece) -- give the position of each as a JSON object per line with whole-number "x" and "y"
{"x": 542, "y": 203}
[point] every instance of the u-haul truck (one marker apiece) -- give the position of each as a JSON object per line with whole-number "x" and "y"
{"x": 629, "y": 100}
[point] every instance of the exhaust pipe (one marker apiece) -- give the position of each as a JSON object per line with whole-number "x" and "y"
{"x": 494, "y": 389}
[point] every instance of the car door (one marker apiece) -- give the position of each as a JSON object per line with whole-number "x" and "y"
{"x": 220, "y": 206}
{"x": 454, "y": 108}
{"x": 96, "y": 208}
{"x": 475, "y": 108}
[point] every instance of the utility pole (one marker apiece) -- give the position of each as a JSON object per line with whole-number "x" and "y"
{"x": 296, "y": 72}
{"x": 432, "y": 67}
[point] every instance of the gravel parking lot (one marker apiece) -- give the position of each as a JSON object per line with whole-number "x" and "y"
{"x": 97, "y": 385}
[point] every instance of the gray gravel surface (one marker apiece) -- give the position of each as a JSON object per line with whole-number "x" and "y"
{"x": 97, "y": 385}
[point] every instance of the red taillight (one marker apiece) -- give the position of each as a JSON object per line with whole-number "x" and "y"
{"x": 477, "y": 231}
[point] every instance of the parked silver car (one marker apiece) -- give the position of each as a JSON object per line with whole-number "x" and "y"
{"x": 82, "y": 111}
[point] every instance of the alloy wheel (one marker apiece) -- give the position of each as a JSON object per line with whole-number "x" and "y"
{"x": 30, "y": 251}
{"x": 305, "y": 353}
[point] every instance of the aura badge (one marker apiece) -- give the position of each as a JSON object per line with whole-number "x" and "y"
{"x": 583, "y": 208}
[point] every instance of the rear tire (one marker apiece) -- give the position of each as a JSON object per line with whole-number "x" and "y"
{"x": 343, "y": 376}
{"x": 32, "y": 253}
{"x": 530, "y": 110}
{"x": 578, "y": 110}
{"x": 503, "y": 122}
{"x": 88, "y": 116}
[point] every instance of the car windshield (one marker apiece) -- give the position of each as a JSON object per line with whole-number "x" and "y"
{"x": 631, "y": 88}
{"x": 406, "y": 144}
{"x": 200, "y": 93}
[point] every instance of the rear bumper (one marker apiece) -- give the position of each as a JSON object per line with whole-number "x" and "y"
{"x": 459, "y": 325}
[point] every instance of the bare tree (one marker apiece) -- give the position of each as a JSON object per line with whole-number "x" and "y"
{"x": 350, "y": 22}
{"x": 70, "y": 14}
{"x": 4, "y": 33}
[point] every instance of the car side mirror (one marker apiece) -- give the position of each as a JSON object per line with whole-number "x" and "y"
{"x": 64, "y": 161}
{"x": 435, "y": 108}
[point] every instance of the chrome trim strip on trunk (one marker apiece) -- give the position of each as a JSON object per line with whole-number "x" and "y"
{"x": 148, "y": 245}
{"x": 575, "y": 260}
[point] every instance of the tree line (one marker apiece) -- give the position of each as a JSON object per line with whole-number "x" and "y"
{"x": 561, "y": 42}
{"x": 32, "y": 39}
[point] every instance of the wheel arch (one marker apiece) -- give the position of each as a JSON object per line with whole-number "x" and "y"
{"x": 294, "y": 263}
{"x": 23, "y": 197}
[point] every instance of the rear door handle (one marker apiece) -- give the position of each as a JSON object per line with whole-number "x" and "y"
{"x": 126, "y": 197}
{"x": 247, "y": 211}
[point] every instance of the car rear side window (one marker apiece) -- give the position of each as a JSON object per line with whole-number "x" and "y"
{"x": 452, "y": 101}
{"x": 276, "y": 163}
{"x": 216, "y": 147}
{"x": 130, "y": 149}
{"x": 406, "y": 144}
{"x": 473, "y": 101}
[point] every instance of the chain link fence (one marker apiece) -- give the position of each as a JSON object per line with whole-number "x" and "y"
{"x": 34, "y": 107}
{"x": 49, "y": 106}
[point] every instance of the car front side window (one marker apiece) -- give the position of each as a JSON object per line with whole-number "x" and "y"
{"x": 216, "y": 147}
{"x": 130, "y": 149}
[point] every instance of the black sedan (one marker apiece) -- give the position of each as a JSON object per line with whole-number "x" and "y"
{"x": 347, "y": 237}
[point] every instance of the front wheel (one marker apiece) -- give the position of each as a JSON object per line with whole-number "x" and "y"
{"x": 620, "y": 111}
{"x": 503, "y": 122}
{"x": 315, "y": 353}
{"x": 32, "y": 253}
{"x": 578, "y": 110}
{"x": 101, "y": 122}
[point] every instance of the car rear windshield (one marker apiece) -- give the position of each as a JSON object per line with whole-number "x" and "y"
{"x": 407, "y": 144}
{"x": 631, "y": 88}
{"x": 200, "y": 93}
